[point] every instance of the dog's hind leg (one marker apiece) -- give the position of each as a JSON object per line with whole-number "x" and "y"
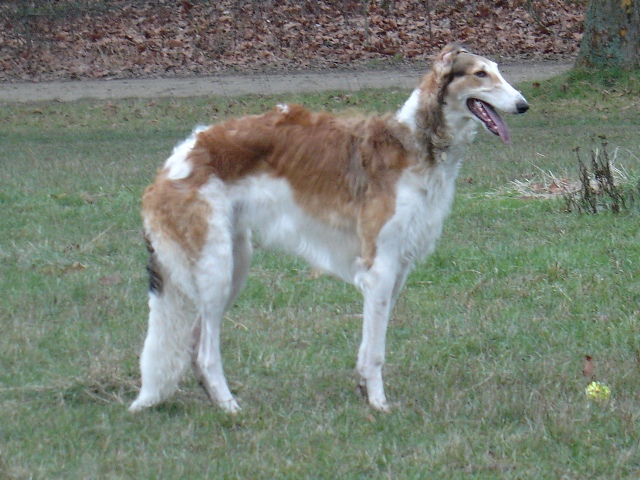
{"x": 242, "y": 253}
{"x": 219, "y": 277}
{"x": 206, "y": 348}
{"x": 165, "y": 354}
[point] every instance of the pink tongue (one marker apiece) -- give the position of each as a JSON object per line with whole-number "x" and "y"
{"x": 490, "y": 118}
{"x": 503, "y": 129}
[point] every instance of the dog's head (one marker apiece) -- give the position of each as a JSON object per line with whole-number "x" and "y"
{"x": 471, "y": 87}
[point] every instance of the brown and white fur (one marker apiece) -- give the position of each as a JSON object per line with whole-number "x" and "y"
{"x": 360, "y": 198}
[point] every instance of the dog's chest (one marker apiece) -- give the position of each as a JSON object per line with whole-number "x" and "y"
{"x": 423, "y": 203}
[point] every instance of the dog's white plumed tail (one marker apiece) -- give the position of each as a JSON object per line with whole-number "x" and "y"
{"x": 165, "y": 355}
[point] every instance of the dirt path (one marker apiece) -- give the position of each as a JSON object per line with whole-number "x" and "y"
{"x": 233, "y": 85}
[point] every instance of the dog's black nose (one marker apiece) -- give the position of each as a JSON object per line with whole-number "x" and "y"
{"x": 522, "y": 107}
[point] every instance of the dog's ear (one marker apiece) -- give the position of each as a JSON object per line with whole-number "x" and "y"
{"x": 444, "y": 60}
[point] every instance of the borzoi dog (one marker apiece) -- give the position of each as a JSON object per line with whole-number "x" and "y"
{"x": 360, "y": 198}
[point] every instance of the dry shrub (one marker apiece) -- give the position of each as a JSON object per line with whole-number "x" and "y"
{"x": 603, "y": 186}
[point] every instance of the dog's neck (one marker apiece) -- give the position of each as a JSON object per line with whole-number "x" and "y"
{"x": 435, "y": 128}
{"x": 407, "y": 114}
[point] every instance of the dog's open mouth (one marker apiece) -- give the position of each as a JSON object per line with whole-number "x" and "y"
{"x": 490, "y": 118}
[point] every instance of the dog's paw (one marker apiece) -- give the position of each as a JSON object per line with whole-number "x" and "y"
{"x": 145, "y": 400}
{"x": 231, "y": 407}
{"x": 380, "y": 405}
{"x": 138, "y": 406}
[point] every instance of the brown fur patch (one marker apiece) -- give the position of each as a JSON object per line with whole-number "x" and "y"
{"x": 342, "y": 171}
{"x": 176, "y": 210}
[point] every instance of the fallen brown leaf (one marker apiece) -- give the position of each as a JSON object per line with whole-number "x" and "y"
{"x": 588, "y": 367}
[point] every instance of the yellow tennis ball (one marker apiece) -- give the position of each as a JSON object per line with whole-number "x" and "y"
{"x": 598, "y": 391}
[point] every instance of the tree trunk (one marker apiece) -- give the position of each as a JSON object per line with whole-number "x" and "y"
{"x": 611, "y": 34}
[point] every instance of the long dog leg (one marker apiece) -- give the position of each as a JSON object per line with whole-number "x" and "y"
{"x": 242, "y": 251}
{"x": 208, "y": 364}
{"x": 377, "y": 286}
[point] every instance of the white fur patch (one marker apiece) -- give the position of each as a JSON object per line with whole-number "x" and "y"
{"x": 177, "y": 164}
{"x": 502, "y": 95}
{"x": 423, "y": 203}
{"x": 284, "y": 108}
{"x": 267, "y": 206}
{"x": 407, "y": 114}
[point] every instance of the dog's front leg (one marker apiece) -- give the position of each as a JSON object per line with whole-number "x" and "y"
{"x": 377, "y": 286}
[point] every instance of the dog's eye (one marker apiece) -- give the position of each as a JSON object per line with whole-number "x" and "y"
{"x": 481, "y": 74}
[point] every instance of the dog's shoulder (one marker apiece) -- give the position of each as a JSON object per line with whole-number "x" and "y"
{"x": 386, "y": 145}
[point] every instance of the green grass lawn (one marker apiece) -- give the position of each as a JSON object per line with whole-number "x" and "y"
{"x": 484, "y": 352}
